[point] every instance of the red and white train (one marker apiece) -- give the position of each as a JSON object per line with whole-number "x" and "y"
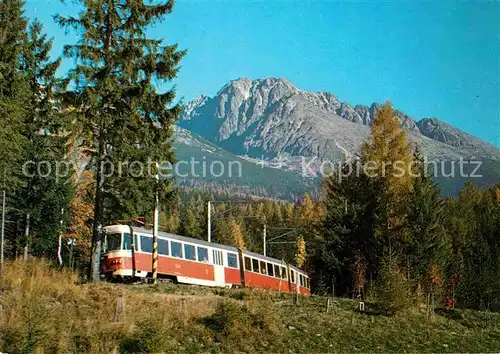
{"x": 191, "y": 261}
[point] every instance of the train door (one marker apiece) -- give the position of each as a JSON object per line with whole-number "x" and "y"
{"x": 218, "y": 267}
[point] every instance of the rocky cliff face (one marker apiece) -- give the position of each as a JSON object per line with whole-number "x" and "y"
{"x": 271, "y": 119}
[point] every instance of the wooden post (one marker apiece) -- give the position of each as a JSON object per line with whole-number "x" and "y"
{"x": 184, "y": 313}
{"x": 120, "y": 309}
{"x": 27, "y": 236}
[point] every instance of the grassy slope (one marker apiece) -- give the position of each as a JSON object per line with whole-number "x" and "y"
{"x": 45, "y": 308}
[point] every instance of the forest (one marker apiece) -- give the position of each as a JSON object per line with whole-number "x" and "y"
{"x": 382, "y": 235}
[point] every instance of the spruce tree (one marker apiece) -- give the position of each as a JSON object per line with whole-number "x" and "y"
{"x": 346, "y": 231}
{"x": 190, "y": 226}
{"x": 123, "y": 116}
{"x": 45, "y": 190}
{"x": 428, "y": 244}
{"x": 13, "y": 90}
{"x": 473, "y": 226}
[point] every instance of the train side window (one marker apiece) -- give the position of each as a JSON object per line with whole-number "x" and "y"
{"x": 189, "y": 252}
{"x": 308, "y": 284}
{"x": 292, "y": 276}
{"x": 248, "y": 264}
{"x": 255, "y": 265}
{"x": 146, "y": 244}
{"x": 163, "y": 247}
{"x": 270, "y": 271}
{"x": 232, "y": 260}
{"x": 301, "y": 280}
{"x": 283, "y": 273}
{"x": 176, "y": 248}
{"x": 263, "y": 267}
{"x": 127, "y": 241}
{"x": 203, "y": 254}
{"x": 276, "y": 271}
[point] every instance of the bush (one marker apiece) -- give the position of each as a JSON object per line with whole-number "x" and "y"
{"x": 243, "y": 323}
{"x": 149, "y": 336}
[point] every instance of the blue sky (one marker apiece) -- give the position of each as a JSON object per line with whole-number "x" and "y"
{"x": 431, "y": 59}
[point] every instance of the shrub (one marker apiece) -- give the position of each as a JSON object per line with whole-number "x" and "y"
{"x": 153, "y": 335}
{"x": 394, "y": 291}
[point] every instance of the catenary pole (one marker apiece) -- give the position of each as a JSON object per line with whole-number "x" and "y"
{"x": 209, "y": 223}
{"x": 264, "y": 237}
{"x": 156, "y": 221}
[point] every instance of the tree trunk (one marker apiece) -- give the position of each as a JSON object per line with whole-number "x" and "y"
{"x": 95, "y": 262}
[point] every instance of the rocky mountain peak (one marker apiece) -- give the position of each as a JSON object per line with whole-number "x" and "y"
{"x": 272, "y": 119}
{"x": 440, "y": 131}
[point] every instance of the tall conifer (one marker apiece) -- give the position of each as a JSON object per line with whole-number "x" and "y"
{"x": 122, "y": 114}
{"x": 13, "y": 90}
{"x": 43, "y": 194}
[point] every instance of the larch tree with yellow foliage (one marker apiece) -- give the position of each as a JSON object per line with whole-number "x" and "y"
{"x": 236, "y": 232}
{"x": 300, "y": 253}
{"x": 306, "y": 210}
{"x": 388, "y": 160}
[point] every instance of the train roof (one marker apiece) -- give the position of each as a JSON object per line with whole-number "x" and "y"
{"x": 260, "y": 256}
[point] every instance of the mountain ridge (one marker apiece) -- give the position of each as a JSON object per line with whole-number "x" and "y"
{"x": 273, "y": 120}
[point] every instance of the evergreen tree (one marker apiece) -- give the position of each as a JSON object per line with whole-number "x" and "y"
{"x": 13, "y": 90}
{"x": 346, "y": 230}
{"x": 472, "y": 222}
{"x": 364, "y": 214}
{"x": 428, "y": 244}
{"x": 122, "y": 115}
{"x": 45, "y": 190}
{"x": 190, "y": 225}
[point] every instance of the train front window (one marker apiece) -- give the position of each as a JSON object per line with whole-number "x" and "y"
{"x": 113, "y": 242}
